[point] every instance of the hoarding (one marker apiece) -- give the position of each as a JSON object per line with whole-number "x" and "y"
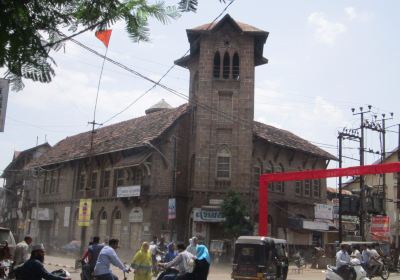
{"x": 128, "y": 191}
{"x": 85, "y": 208}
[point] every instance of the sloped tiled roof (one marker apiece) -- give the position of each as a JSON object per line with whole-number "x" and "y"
{"x": 135, "y": 132}
{"x": 243, "y": 26}
{"x": 121, "y": 136}
{"x": 287, "y": 139}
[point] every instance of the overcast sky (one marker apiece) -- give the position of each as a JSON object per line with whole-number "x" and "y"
{"x": 324, "y": 58}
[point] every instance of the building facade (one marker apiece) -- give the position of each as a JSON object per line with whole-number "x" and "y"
{"x": 166, "y": 173}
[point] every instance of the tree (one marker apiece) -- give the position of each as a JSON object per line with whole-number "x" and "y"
{"x": 31, "y": 29}
{"x": 235, "y": 212}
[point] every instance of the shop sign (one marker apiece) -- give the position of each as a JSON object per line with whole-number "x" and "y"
{"x": 313, "y": 225}
{"x": 128, "y": 191}
{"x": 323, "y": 211}
{"x": 208, "y": 215}
{"x": 136, "y": 215}
{"x": 216, "y": 201}
{"x": 380, "y": 224}
{"x": 44, "y": 214}
{"x": 171, "y": 208}
{"x": 85, "y": 208}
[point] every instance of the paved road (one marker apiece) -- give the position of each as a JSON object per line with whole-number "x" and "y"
{"x": 216, "y": 272}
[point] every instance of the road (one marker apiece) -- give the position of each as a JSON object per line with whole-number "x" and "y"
{"x": 216, "y": 272}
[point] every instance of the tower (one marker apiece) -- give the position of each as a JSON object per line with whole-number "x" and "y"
{"x": 222, "y": 62}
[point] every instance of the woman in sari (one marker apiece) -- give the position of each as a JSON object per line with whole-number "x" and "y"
{"x": 142, "y": 263}
{"x": 202, "y": 263}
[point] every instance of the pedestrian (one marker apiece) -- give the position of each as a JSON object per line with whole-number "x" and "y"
{"x": 192, "y": 248}
{"x": 171, "y": 254}
{"x": 183, "y": 264}
{"x": 86, "y": 273}
{"x": 142, "y": 263}
{"x": 21, "y": 253}
{"x": 202, "y": 263}
{"x": 108, "y": 256}
{"x": 33, "y": 268}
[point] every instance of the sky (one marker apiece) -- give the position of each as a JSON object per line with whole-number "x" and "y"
{"x": 325, "y": 57}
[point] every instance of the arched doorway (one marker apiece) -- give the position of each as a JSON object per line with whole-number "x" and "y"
{"x": 135, "y": 228}
{"x": 103, "y": 225}
{"x": 116, "y": 224}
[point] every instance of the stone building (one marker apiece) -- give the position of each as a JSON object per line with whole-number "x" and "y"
{"x": 194, "y": 154}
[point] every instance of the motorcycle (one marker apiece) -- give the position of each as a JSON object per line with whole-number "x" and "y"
{"x": 357, "y": 270}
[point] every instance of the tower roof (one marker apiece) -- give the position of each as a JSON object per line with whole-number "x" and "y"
{"x": 162, "y": 104}
{"x": 260, "y": 37}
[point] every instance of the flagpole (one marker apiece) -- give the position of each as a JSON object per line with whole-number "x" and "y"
{"x": 98, "y": 89}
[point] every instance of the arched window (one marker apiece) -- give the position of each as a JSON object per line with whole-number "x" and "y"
{"x": 224, "y": 164}
{"x": 227, "y": 66}
{"x": 279, "y": 186}
{"x": 235, "y": 67}
{"x": 217, "y": 65}
{"x": 269, "y": 168}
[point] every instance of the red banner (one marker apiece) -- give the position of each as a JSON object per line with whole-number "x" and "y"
{"x": 312, "y": 174}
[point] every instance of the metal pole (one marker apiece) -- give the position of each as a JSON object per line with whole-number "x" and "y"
{"x": 340, "y": 190}
{"x": 362, "y": 187}
{"x": 37, "y": 211}
{"x": 383, "y": 159}
{"x": 398, "y": 193}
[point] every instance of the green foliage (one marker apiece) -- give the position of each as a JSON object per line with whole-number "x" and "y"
{"x": 191, "y": 5}
{"x": 31, "y": 29}
{"x": 235, "y": 212}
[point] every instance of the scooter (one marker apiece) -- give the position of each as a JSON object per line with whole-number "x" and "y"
{"x": 361, "y": 274}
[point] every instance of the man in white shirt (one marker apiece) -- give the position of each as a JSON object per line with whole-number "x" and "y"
{"x": 21, "y": 253}
{"x": 342, "y": 262}
{"x": 107, "y": 257}
{"x": 183, "y": 262}
{"x": 375, "y": 262}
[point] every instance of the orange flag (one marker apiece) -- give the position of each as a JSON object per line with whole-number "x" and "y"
{"x": 104, "y": 36}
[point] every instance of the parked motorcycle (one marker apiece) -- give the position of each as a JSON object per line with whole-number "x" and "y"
{"x": 357, "y": 270}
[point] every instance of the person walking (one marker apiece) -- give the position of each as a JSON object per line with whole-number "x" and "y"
{"x": 142, "y": 263}
{"x": 202, "y": 263}
{"x": 108, "y": 256}
{"x": 192, "y": 248}
{"x": 21, "y": 253}
{"x": 33, "y": 268}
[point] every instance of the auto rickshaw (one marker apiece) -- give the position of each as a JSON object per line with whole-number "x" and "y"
{"x": 260, "y": 258}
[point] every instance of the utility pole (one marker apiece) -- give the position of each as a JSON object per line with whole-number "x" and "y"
{"x": 340, "y": 189}
{"x": 398, "y": 193}
{"x": 363, "y": 213}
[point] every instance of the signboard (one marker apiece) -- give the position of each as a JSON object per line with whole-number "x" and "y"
{"x": 136, "y": 215}
{"x": 85, "y": 208}
{"x": 4, "y": 85}
{"x": 44, "y": 214}
{"x": 171, "y": 208}
{"x": 129, "y": 191}
{"x": 380, "y": 228}
{"x": 323, "y": 211}
{"x": 208, "y": 215}
{"x": 315, "y": 225}
{"x": 380, "y": 224}
{"x": 67, "y": 211}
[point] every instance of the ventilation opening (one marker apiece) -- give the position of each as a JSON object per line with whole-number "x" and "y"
{"x": 227, "y": 66}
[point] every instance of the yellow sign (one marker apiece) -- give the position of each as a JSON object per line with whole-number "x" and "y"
{"x": 85, "y": 208}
